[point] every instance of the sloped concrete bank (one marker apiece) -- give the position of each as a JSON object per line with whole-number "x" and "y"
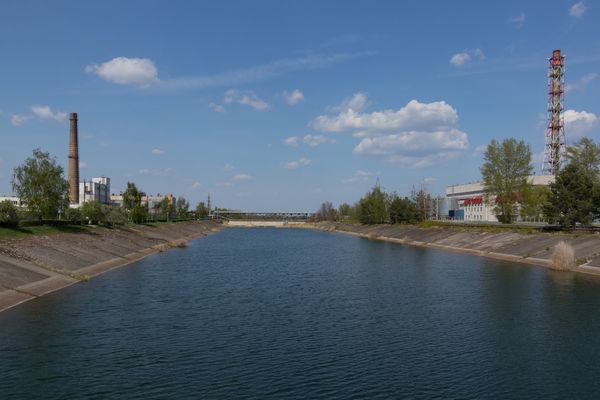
{"x": 36, "y": 265}
{"x": 534, "y": 249}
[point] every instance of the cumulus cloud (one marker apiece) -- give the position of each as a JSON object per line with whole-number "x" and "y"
{"x": 359, "y": 176}
{"x": 241, "y": 177}
{"x": 293, "y": 98}
{"x": 18, "y": 120}
{"x": 228, "y": 167}
{"x": 465, "y": 57}
{"x": 246, "y": 98}
{"x": 158, "y": 152}
{"x": 316, "y": 140}
{"x": 577, "y": 10}
{"x": 417, "y": 135}
{"x": 582, "y": 83}
{"x": 302, "y": 162}
{"x": 357, "y": 102}
{"x": 126, "y": 71}
{"x": 291, "y": 141}
{"x": 578, "y": 123}
{"x": 216, "y": 107}
{"x": 45, "y": 112}
{"x": 519, "y": 20}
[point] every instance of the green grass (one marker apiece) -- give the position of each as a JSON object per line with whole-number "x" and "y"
{"x": 44, "y": 230}
{"x": 494, "y": 228}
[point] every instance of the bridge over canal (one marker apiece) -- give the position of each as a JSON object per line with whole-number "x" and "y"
{"x": 243, "y": 218}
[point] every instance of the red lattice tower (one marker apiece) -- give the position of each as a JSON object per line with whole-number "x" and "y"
{"x": 555, "y": 145}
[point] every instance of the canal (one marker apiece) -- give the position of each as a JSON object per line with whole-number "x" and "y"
{"x": 281, "y": 313}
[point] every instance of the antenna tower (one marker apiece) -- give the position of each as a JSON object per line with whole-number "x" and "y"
{"x": 555, "y": 145}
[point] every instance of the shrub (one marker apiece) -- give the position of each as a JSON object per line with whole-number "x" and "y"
{"x": 8, "y": 214}
{"x": 563, "y": 257}
{"x": 115, "y": 216}
{"x": 73, "y": 215}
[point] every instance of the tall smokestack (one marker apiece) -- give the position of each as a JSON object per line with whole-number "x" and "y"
{"x": 73, "y": 161}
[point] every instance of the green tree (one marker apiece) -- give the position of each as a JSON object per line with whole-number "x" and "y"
{"x": 183, "y": 207}
{"x": 372, "y": 208}
{"x": 39, "y": 182}
{"x": 345, "y": 212}
{"x": 167, "y": 209}
{"x": 422, "y": 201}
{"x": 132, "y": 203}
{"x": 505, "y": 170}
{"x": 201, "y": 210}
{"x": 115, "y": 216}
{"x": 93, "y": 212}
{"x": 572, "y": 198}
{"x": 73, "y": 215}
{"x": 8, "y": 214}
{"x": 533, "y": 201}
{"x": 587, "y": 154}
{"x": 403, "y": 210}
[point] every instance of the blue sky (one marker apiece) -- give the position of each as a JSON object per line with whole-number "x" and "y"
{"x": 279, "y": 106}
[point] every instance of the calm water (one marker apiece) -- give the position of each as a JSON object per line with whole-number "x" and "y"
{"x": 268, "y": 313}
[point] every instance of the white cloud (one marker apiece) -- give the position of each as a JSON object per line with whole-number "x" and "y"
{"x": 126, "y": 71}
{"x": 45, "y": 112}
{"x": 413, "y": 116}
{"x": 417, "y": 135}
{"x": 291, "y": 141}
{"x": 358, "y": 102}
{"x": 578, "y": 123}
{"x": 216, "y": 107}
{"x": 460, "y": 59}
{"x": 465, "y": 57}
{"x": 293, "y": 98}
{"x": 246, "y": 98}
{"x": 196, "y": 185}
{"x": 582, "y": 83}
{"x": 303, "y": 162}
{"x": 314, "y": 140}
{"x": 241, "y": 177}
{"x": 429, "y": 180}
{"x": 228, "y": 167}
{"x": 18, "y": 120}
{"x": 359, "y": 176}
{"x": 577, "y": 10}
{"x": 519, "y": 20}
{"x": 158, "y": 152}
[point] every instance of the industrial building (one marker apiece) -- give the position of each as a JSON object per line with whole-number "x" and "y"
{"x": 470, "y": 202}
{"x": 98, "y": 189}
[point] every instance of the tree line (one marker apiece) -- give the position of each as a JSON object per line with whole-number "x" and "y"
{"x": 40, "y": 184}
{"x": 379, "y": 207}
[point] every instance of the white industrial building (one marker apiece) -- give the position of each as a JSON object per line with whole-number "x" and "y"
{"x": 14, "y": 200}
{"x": 470, "y": 201}
{"x": 98, "y": 189}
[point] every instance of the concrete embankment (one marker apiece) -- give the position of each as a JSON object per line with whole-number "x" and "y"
{"x": 36, "y": 265}
{"x": 534, "y": 248}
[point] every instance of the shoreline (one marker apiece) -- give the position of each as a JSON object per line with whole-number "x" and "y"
{"x": 536, "y": 251}
{"x": 26, "y": 275}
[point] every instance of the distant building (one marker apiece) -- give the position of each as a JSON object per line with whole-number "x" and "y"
{"x": 98, "y": 189}
{"x": 470, "y": 203}
{"x": 151, "y": 201}
{"x": 14, "y": 200}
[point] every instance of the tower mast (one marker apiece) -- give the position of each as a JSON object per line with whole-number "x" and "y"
{"x": 555, "y": 145}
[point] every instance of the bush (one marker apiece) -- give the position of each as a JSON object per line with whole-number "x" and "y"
{"x": 115, "y": 216}
{"x": 563, "y": 257}
{"x": 93, "y": 212}
{"x": 73, "y": 215}
{"x": 8, "y": 214}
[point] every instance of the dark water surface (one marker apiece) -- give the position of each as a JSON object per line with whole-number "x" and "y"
{"x": 274, "y": 313}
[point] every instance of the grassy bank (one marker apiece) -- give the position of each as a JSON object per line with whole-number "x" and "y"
{"x": 7, "y": 233}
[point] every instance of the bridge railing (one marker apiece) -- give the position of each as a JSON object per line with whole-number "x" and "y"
{"x": 264, "y": 216}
